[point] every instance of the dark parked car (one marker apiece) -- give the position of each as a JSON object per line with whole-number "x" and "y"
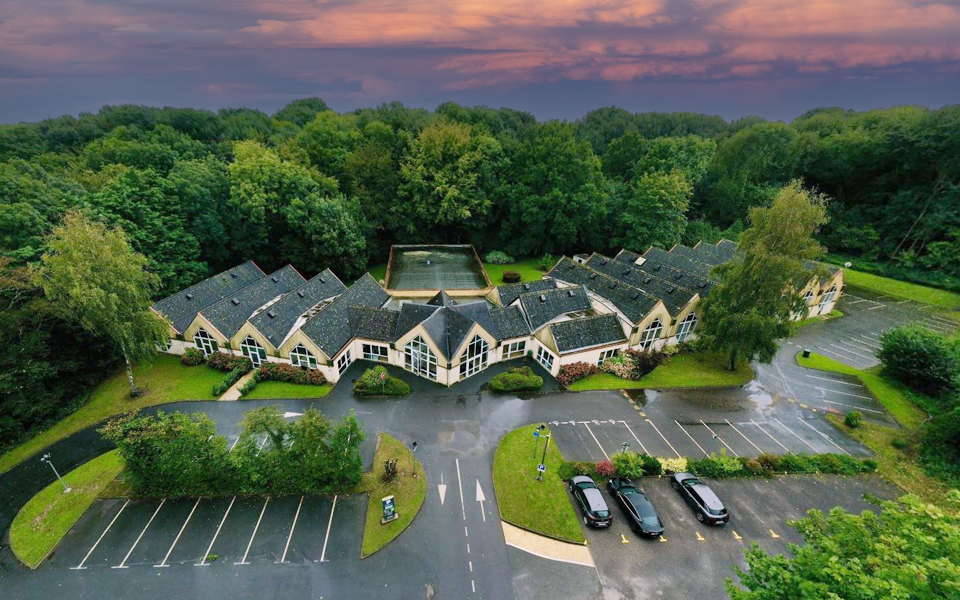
{"x": 592, "y": 504}
{"x": 636, "y": 507}
{"x": 701, "y": 499}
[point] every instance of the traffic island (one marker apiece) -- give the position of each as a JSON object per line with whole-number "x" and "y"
{"x": 394, "y": 500}
{"x": 541, "y": 507}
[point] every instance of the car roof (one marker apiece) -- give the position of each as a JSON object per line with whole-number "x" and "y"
{"x": 709, "y": 498}
{"x": 582, "y": 479}
{"x": 595, "y": 499}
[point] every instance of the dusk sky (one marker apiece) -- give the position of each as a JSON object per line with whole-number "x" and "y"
{"x": 555, "y": 58}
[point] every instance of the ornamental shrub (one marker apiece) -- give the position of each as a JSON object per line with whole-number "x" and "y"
{"x": 225, "y": 383}
{"x": 517, "y": 379}
{"x": 605, "y": 469}
{"x": 925, "y": 361}
{"x": 644, "y": 362}
{"x": 249, "y": 385}
{"x": 545, "y": 262}
{"x": 632, "y": 465}
{"x": 498, "y": 258}
{"x": 853, "y": 419}
{"x": 673, "y": 465}
{"x": 511, "y": 277}
{"x": 370, "y": 384}
{"x": 620, "y": 365}
{"x": 192, "y": 357}
{"x": 222, "y": 361}
{"x": 290, "y": 374}
{"x": 575, "y": 372}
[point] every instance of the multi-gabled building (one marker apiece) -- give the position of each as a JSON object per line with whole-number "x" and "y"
{"x": 583, "y": 310}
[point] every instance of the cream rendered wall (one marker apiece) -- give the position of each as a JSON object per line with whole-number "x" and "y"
{"x": 556, "y": 359}
{"x": 201, "y": 321}
{"x": 591, "y": 355}
{"x": 249, "y": 329}
{"x": 502, "y": 348}
{"x": 672, "y": 338}
{"x": 659, "y": 312}
{"x": 545, "y": 337}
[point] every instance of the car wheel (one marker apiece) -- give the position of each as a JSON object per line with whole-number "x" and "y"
{"x": 700, "y": 516}
{"x": 675, "y": 485}
{"x": 584, "y": 520}
{"x": 570, "y": 487}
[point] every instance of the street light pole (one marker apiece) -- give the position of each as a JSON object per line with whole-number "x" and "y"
{"x": 46, "y": 458}
{"x": 543, "y": 460}
{"x": 624, "y": 446}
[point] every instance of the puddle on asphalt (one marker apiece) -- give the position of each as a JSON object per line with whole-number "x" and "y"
{"x": 758, "y": 395}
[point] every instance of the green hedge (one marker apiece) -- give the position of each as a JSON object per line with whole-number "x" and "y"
{"x": 718, "y": 466}
{"x": 231, "y": 378}
{"x": 370, "y": 384}
{"x": 517, "y": 379}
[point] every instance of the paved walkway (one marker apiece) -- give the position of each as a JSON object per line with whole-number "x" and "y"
{"x": 234, "y": 392}
{"x": 546, "y": 547}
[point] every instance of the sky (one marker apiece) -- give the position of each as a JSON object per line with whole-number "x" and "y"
{"x": 554, "y": 58}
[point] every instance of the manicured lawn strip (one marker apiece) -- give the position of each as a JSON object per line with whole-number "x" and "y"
{"x": 540, "y": 506}
{"x": 163, "y": 380}
{"x": 893, "y": 395}
{"x": 408, "y": 493}
{"x": 682, "y": 370}
{"x": 284, "y": 389}
{"x": 526, "y": 267}
{"x": 901, "y": 289}
{"x": 48, "y": 516}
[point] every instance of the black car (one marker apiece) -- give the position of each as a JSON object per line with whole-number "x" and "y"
{"x": 701, "y": 499}
{"x": 636, "y": 507}
{"x": 592, "y": 504}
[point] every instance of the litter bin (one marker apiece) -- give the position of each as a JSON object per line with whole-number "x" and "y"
{"x": 806, "y": 353}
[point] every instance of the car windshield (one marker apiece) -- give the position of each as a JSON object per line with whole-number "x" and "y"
{"x": 715, "y": 511}
{"x": 651, "y": 521}
{"x": 603, "y": 513}
{"x": 690, "y": 482}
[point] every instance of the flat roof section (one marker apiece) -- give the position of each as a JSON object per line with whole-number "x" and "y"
{"x": 421, "y": 268}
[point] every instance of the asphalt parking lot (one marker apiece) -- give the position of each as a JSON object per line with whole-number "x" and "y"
{"x": 693, "y": 560}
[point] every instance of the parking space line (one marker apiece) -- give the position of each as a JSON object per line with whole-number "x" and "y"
{"x": 878, "y": 306}
{"x": 873, "y": 335}
{"x": 785, "y": 449}
{"x": 203, "y": 562}
{"x": 97, "y": 543}
{"x": 903, "y": 302}
{"x": 326, "y": 538}
{"x": 635, "y": 437}
{"x": 795, "y": 435}
{"x": 123, "y": 563}
{"x": 835, "y": 381}
{"x": 719, "y": 438}
{"x": 296, "y": 516}
{"x": 691, "y": 437}
{"x": 870, "y": 343}
{"x": 851, "y": 352}
{"x": 163, "y": 563}
{"x": 842, "y": 393}
{"x": 880, "y": 412}
{"x": 822, "y": 349}
{"x": 664, "y": 439}
{"x": 254, "y": 534}
{"x": 743, "y": 436}
{"x": 825, "y": 436}
{"x": 587, "y": 425}
{"x": 233, "y": 444}
{"x": 854, "y": 345}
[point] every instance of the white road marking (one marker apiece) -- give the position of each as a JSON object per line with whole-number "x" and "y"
{"x": 323, "y": 553}
{"x": 878, "y": 306}
{"x": 824, "y": 436}
{"x": 785, "y": 449}
{"x": 587, "y": 425}
{"x": 473, "y": 587}
{"x": 822, "y": 349}
{"x": 743, "y": 436}
{"x": 635, "y": 437}
{"x": 468, "y": 548}
{"x": 691, "y": 437}
{"x": 858, "y": 301}
{"x": 234, "y": 444}
{"x": 664, "y": 439}
{"x": 862, "y": 348}
{"x": 873, "y": 335}
{"x": 123, "y": 563}
{"x": 97, "y": 543}
{"x": 481, "y": 499}
{"x": 163, "y": 563}
{"x": 254, "y": 534}
{"x": 203, "y": 562}
{"x": 903, "y": 301}
{"x": 262, "y": 444}
{"x": 296, "y": 516}
{"x": 442, "y": 489}
{"x": 870, "y": 343}
{"x": 842, "y": 393}
{"x": 470, "y": 562}
{"x": 720, "y": 438}
{"x": 835, "y": 381}
{"x": 879, "y": 412}
{"x": 851, "y": 352}
{"x": 795, "y": 435}
{"x": 463, "y": 507}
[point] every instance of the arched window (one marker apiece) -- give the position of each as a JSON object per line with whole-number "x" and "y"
{"x": 419, "y": 359}
{"x": 301, "y": 357}
{"x": 651, "y": 334}
{"x": 252, "y": 350}
{"x": 687, "y": 326}
{"x": 827, "y": 298}
{"x": 205, "y": 342}
{"x": 808, "y": 297}
{"x": 474, "y": 358}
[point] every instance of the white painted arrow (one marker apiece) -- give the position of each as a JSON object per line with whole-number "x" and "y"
{"x": 481, "y": 499}
{"x": 442, "y": 489}
{"x": 287, "y": 415}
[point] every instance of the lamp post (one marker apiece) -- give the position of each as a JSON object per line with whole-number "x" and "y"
{"x": 46, "y": 458}
{"x": 624, "y": 446}
{"x": 543, "y": 461}
{"x": 536, "y": 438}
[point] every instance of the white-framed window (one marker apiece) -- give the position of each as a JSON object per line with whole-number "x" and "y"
{"x": 301, "y": 357}
{"x": 807, "y": 297}
{"x": 827, "y": 298}
{"x": 375, "y": 352}
{"x": 514, "y": 349}
{"x": 607, "y": 354}
{"x": 344, "y": 361}
{"x": 205, "y": 342}
{"x": 166, "y": 345}
{"x": 419, "y": 359}
{"x": 253, "y": 350}
{"x": 687, "y": 326}
{"x": 474, "y": 357}
{"x": 544, "y": 358}
{"x": 651, "y": 334}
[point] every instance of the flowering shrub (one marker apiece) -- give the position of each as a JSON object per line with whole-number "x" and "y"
{"x": 575, "y": 371}
{"x": 222, "y": 361}
{"x": 620, "y": 365}
{"x": 644, "y": 362}
{"x": 605, "y": 469}
{"x": 192, "y": 357}
{"x": 291, "y": 374}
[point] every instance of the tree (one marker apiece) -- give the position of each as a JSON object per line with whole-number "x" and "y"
{"x": 924, "y": 360}
{"x": 301, "y": 111}
{"x": 93, "y": 276}
{"x": 654, "y": 211}
{"x": 759, "y": 290}
{"x": 689, "y": 155}
{"x": 906, "y": 550}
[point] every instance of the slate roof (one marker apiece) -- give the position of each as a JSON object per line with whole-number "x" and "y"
{"x": 411, "y": 315}
{"x": 635, "y": 304}
{"x": 657, "y": 259}
{"x": 627, "y": 256}
{"x": 229, "y": 315}
{"x": 546, "y": 305}
{"x": 509, "y": 322}
{"x": 330, "y": 328}
{"x": 378, "y": 324}
{"x": 510, "y": 292}
{"x": 577, "y": 334}
{"x": 723, "y": 254}
{"x": 277, "y": 322}
{"x": 676, "y": 288}
{"x": 728, "y": 247}
{"x": 181, "y": 308}
{"x": 700, "y": 255}
{"x": 448, "y": 329}
{"x": 442, "y": 299}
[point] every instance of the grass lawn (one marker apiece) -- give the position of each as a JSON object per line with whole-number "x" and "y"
{"x": 540, "y": 506}
{"x": 283, "y": 389}
{"x": 526, "y": 267}
{"x": 682, "y": 370}
{"x": 901, "y": 289}
{"x": 48, "y": 516}
{"x": 408, "y": 490}
{"x": 163, "y": 380}
{"x": 378, "y": 271}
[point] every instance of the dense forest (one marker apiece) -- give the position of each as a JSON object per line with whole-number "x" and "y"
{"x": 198, "y": 191}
